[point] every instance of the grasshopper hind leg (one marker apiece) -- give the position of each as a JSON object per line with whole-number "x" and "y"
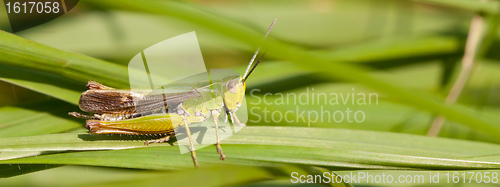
{"x": 160, "y": 140}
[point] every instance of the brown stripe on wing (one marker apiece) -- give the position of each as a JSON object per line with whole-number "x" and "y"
{"x": 107, "y": 101}
{"x": 122, "y": 101}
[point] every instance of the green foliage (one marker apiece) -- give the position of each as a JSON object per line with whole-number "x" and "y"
{"x": 410, "y": 69}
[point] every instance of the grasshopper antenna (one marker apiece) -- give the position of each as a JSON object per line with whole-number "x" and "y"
{"x": 256, "y": 63}
{"x": 250, "y": 68}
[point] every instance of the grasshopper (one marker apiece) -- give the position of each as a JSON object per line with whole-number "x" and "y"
{"x": 162, "y": 111}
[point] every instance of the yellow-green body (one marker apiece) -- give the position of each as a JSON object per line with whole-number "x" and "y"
{"x": 211, "y": 98}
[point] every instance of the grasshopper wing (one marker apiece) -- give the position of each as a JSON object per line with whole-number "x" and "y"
{"x": 136, "y": 101}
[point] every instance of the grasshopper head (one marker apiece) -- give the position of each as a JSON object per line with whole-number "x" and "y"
{"x": 234, "y": 92}
{"x": 235, "y": 86}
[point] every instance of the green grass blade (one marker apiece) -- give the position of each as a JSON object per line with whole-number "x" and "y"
{"x": 36, "y": 119}
{"x": 48, "y": 84}
{"x": 20, "y": 52}
{"x": 397, "y": 48}
{"x": 212, "y": 176}
{"x": 261, "y": 146}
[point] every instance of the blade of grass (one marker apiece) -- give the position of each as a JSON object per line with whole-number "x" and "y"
{"x": 42, "y": 118}
{"x": 474, "y": 40}
{"x": 261, "y": 146}
{"x": 17, "y": 51}
{"x": 48, "y": 84}
{"x": 35, "y": 119}
{"x": 209, "y": 176}
{"x": 394, "y": 48}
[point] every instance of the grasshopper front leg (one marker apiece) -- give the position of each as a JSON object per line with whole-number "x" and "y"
{"x": 215, "y": 116}
{"x": 235, "y": 119}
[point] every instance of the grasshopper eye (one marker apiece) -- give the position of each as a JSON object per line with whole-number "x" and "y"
{"x": 232, "y": 86}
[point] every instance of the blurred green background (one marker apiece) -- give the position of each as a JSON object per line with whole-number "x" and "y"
{"x": 408, "y": 52}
